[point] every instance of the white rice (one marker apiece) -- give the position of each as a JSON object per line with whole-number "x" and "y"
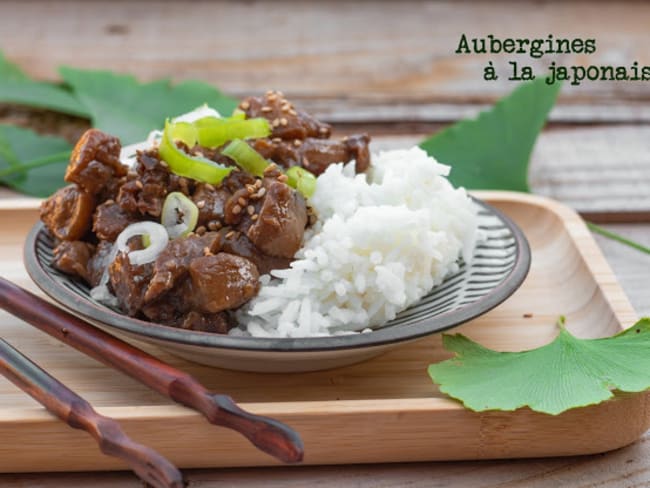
{"x": 382, "y": 241}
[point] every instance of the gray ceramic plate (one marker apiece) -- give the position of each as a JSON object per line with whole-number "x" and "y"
{"x": 498, "y": 268}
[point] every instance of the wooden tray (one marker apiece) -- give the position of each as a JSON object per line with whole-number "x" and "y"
{"x": 384, "y": 410}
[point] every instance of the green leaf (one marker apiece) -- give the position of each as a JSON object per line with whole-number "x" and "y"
{"x": 122, "y": 106}
{"x": 31, "y": 163}
{"x": 9, "y": 70}
{"x": 41, "y": 95}
{"x": 493, "y": 150}
{"x": 567, "y": 373}
{"x": 17, "y": 88}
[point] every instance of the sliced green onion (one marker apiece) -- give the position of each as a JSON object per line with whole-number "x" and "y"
{"x": 238, "y": 114}
{"x": 146, "y": 240}
{"x": 158, "y": 239}
{"x": 302, "y": 180}
{"x": 183, "y": 164}
{"x": 185, "y": 132}
{"x": 214, "y": 132}
{"x": 250, "y": 160}
{"x": 246, "y": 157}
{"x": 179, "y": 215}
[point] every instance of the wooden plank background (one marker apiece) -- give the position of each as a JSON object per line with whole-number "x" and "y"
{"x": 389, "y": 68}
{"x": 372, "y": 52}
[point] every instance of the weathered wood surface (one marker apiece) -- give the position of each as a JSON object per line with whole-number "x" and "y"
{"x": 388, "y": 68}
{"x": 602, "y": 172}
{"x": 366, "y": 58}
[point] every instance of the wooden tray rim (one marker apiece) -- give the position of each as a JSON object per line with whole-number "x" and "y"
{"x": 575, "y": 227}
{"x": 387, "y": 408}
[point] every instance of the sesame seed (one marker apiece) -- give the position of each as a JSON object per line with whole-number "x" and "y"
{"x": 283, "y": 122}
{"x": 250, "y": 189}
{"x": 258, "y": 183}
{"x": 297, "y": 142}
{"x": 250, "y": 209}
{"x": 279, "y": 93}
{"x": 131, "y": 175}
{"x": 230, "y": 234}
{"x": 293, "y": 112}
{"x": 209, "y": 187}
{"x": 200, "y": 230}
{"x": 200, "y": 204}
{"x": 254, "y": 217}
{"x": 261, "y": 192}
{"x": 212, "y": 225}
{"x": 277, "y": 140}
{"x": 241, "y": 201}
{"x": 282, "y": 178}
{"x": 323, "y": 130}
{"x": 139, "y": 184}
{"x": 164, "y": 164}
{"x": 275, "y": 123}
{"x": 206, "y": 251}
{"x": 285, "y": 108}
{"x": 272, "y": 97}
{"x": 269, "y": 92}
{"x": 236, "y": 210}
{"x": 245, "y": 105}
{"x": 110, "y": 201}
{"x": 266, "y": 109}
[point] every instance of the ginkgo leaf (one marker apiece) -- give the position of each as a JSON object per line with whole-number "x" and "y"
{"x": 22, "y": 150}
{"x": 9, "y": 70}
{"x": 17, "y": 88}
{"x": 567, "y": 373}
{"x": 492, "y": 151}
{"x": 122, "y": 106}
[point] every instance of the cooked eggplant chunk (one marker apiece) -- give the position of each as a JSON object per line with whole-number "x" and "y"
{"x": 95, "y": 161}
{"x": 68, "y": 213}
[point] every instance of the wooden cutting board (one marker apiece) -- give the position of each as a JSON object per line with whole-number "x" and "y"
{"x": 383, "y": 410}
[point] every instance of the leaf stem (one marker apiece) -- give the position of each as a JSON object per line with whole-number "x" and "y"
{"x": 617, "y": 237}
{"x": 35, "y": 163}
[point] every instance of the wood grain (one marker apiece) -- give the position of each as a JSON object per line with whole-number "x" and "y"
{"x": 77, "y": 413}
{"x": 266, "y": 434}
{"x": 631, "y": 267}
{"x": 603, "y": 171}
{"x": 337, "y": 411}
{"x": 392, "y": 71}
{"x": 374, "y": 54}
{"x": 624, "y": 468}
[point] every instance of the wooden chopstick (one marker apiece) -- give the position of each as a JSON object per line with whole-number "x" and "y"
{"x": 269, "y": 435}
{"x": 79, "y": 414}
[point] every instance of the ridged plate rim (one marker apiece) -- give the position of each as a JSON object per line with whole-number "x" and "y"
{"x": 381, "y": 336}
